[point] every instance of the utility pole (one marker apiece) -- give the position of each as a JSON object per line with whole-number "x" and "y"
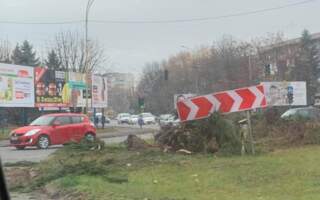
{"x": 89, "y": 4}
{"x": 250, "y": 69}
{"x": 249, "y": 112}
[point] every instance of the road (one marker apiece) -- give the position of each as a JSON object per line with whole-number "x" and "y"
{"x": 11, "y": 155}
{"x": 114, "y": 123}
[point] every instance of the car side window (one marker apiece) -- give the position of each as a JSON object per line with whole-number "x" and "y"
{"x": 315, "y": 114}
{"x": 63, "y": 120}
{"x": 305, "y": 114}
{"x": 77, "y": 119}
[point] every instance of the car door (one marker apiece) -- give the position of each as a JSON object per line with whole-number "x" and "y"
{"x": 61, "y": 131}
{"x": 77, "y": 128}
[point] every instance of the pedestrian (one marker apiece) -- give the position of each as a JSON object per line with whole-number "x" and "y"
{"x": 103, "y": 121}
{"x": 96, "y": 121}
{"x": 140, "y": 121}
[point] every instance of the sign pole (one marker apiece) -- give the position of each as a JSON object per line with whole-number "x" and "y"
{"x": 250, "y": 131}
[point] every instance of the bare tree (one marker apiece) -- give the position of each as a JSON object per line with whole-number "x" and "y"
{"x": 227, "y": 64}
{"x": 70, "y": 49}
{"x": 5, "y": 51}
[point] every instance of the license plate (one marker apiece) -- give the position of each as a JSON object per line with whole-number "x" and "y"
{"x": 14, "y": 138}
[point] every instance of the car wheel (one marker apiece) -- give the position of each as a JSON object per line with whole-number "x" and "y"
{"x": 43, "y": 142}
{"x": 20, "y": 148}
{"x": 90, "y": 137}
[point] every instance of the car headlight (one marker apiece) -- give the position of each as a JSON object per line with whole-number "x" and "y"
{"x": 32, "y": 132}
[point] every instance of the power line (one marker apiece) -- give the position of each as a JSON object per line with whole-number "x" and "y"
{"x": 166, "y": 21}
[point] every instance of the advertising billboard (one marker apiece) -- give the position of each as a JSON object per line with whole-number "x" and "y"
{"x": 99, "y": 92}
{"x": 77, "y": 84}
{"x": 285, "y": 93}
{"x": 16, "y": 86}
{"x": 49, "y": 88}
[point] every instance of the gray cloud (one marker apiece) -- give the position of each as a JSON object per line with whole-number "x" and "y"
{"x": 131, "y": 45}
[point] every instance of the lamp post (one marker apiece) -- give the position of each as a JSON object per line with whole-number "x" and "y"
{"x": 196, "y": 67}
{"x": 89, "y": 4}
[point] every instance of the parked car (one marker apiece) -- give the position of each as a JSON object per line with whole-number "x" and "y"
{"x": 176, "y": 122}
{"x": 308, "y": 113}
{"x": 99, "y": 115}
{"x": 53, "y": 129}
{"x": 123, "y": 118}
{"x": 148, "y": 118}
{"x": 134, "y": 119}
{"x": 166, "y": 119}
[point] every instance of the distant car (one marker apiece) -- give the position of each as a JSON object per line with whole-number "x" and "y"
{"x": 176, "y": 122}
{"x": 123, "y": 118}
{"x": 99, "y": 115}
{"x": 166, "y": 119}
{"x": 134, "y": 119}
{"x": 53, "y": 129}
{"x": 308, "y": 113}
{"x": 148, "y": 118}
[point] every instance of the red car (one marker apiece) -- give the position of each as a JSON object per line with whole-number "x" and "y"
{"x": 53, "y": 129}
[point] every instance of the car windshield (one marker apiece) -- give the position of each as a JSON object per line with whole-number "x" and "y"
{"x": 125, "y": 115}
{"x": 134, "y": 116}
{"x": 147, "y": 115}
{"x": 165, "y": 117}
{"x": 289, "y": 113}
{"x": 42, "y": 121}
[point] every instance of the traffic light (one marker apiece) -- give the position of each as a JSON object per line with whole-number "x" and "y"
{"x": 267, "y": 69}
{"x": 290, "y": 94}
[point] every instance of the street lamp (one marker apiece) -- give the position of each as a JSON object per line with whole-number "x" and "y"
{"x": 196, "y": 66}
{"x": 89, "y": 4}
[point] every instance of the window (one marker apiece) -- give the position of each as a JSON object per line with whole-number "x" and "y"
{"x": 42, "y": 121}
{"x": 306, "y": 114}
{"x": 63, "y": 120}
{"x": 77, "y": 119}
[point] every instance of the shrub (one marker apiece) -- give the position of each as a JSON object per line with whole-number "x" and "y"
{"x": 206, "y": 135}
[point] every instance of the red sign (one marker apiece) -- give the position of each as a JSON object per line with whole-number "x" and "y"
{"x": 224, "y": 102}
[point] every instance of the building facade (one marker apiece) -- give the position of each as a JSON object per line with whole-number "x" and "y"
{"x": 280, "y": 58}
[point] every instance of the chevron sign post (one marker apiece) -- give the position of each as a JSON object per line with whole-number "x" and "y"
{"x": 224, "y": 102}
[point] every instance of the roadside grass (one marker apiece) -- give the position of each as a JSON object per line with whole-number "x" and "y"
{"x": 115, "y": 173}
{"x": 20, "y": 164}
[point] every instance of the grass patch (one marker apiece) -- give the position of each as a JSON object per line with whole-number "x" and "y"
{"x": 20, "y": 164}
{"x": 115, "y": 173}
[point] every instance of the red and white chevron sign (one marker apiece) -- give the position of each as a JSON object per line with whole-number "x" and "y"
{"x": 225, "y": 102}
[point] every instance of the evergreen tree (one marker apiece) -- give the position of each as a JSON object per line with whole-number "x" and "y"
{"x": 29, "y": 55}
{"x": 53, "y": 61}
{"x": 307, "y": 65}
{"x": 16, "y": 56}
{"x": 25, "y": 55}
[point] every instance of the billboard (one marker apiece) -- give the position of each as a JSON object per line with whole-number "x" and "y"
{"x": 50, "y": 85}
{"x": 77, "y": 84}
{"x": 99, "y": 92}
{"x": 285, "y": 93}
{"x": 16, "y": 86}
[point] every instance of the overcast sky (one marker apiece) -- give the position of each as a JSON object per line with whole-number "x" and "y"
{"x": 129, "y": 46}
